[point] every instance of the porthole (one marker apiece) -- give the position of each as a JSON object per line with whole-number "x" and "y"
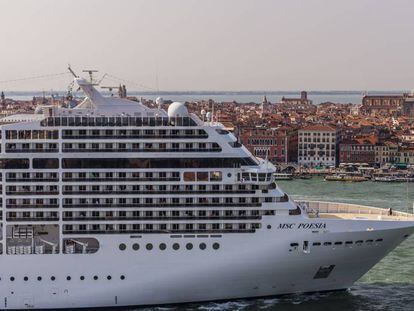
{"x": 149, "y": 246}
{"x": 176, "y": 246}
{"x": 25, "y": 278}
{"x": 203, "y": 246}
{"x": 229, "y": 175}
{"x": 82, "y": 277}
{"x": 12, "y": 278}
{"x": 135, "y": 246}
{"x": 52, "y": 278}
{"x": 163, "y": 246}
{"x": 122, "y": 246}
{"x": 39, "y": 278}
{"x": 68, "y": 278}
{"x": 122, "y": 277}
{"x": 95, "y": 277}
{"x": 109, "y": 277}
{"x": 269, "y": 227}
{"x": 216, "y": 246}
{"x": 189, "y": 246}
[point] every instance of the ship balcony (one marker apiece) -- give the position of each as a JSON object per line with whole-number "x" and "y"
{"x": 144, "y": 150}
{"x": 133, "y": 137}
{"x": 32, "y": 179}
{"x": 178, "y": 218}
{"x": 162, "y": 205}
{"x": 335, "y": 210}
{"x": 181, "y": 231}
{"x": 32, "y": 192}
{"x": 30, "y": 219}
{"x": 31, "y": 150}
{"x": 32, "y": 205}
{"x": 160, "y": 192}
{"x": 103, "y": 179}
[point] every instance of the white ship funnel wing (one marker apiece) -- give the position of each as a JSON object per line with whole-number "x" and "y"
{"x": 91, "y": 93}
{"x": 110, "y": 105}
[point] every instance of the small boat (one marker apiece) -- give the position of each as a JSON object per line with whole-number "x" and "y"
{"x": 394, "y": 178}
{"x": 345, "y": 177}
{"x": 386, "y": 179}
{"x": 405, "y": 179}
{"x": 283, "y": 176}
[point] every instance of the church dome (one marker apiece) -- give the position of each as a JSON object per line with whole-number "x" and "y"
{"x": 177, "y": 109}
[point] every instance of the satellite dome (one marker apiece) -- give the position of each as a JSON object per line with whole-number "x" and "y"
{"x": 177, "y": 109}
{"x": 39, "y": 110}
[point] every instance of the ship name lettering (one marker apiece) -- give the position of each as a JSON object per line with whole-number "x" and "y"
{"x": 319, "y": 225}
{"x": 286, "y": 226}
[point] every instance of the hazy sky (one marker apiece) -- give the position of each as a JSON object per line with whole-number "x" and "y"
{"x": 211, "y": 45}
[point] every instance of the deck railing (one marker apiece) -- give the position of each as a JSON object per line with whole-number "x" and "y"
{"x": 347, "y": 208}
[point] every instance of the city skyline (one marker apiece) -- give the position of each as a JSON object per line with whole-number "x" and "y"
{"x": 210, "y": 46}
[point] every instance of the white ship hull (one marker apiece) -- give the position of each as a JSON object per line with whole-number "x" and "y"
{"x": 261, "y": 264}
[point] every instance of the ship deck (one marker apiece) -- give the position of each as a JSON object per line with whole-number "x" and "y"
{"x": 334, "y": 210}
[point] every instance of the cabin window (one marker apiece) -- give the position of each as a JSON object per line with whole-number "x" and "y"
{"x": 189, "y": 176}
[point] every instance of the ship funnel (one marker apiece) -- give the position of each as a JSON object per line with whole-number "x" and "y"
{"x": 91, "y": 93}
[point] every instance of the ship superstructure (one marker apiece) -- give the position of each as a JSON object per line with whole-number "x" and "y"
{"x": 112, "y": 203}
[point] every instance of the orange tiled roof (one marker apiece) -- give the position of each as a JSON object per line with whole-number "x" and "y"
{"x": 318, "y": 127}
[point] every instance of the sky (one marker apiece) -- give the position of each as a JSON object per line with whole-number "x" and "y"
{"x": 210, "y": 45}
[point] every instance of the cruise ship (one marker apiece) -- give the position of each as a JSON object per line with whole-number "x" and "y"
{"x": 112, "y": 203}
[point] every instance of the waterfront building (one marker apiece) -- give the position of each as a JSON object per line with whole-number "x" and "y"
{"x": 317, "y": 145}
{"x": 405, "y": 155}
{"x": 357, "y": 151}
{"x": 279, "y": 145}
{"x": 386, "y": 152}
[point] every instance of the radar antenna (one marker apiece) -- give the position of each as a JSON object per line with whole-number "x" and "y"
{"x": 91, "y": 73}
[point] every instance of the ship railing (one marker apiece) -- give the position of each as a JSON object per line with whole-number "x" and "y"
{"x": 32, "y": 206}
{"x": 31, "y": 150}
{"x": 189, "y": 136}
{"x": 318, "y": 207}
{"x": 104, "y": 179}
{"x": 218, "y": 231}
{"x": 162, "y": 218}
{"x": 24, "y": 219}
{"x": 143, "y": 150}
